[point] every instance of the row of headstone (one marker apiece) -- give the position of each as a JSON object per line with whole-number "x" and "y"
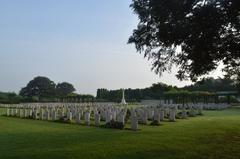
{"x": 155, "y": 114}
{"x": 69, "y": 113}
{"x": 82, "y": 113}
{"x": 205, "y": 106}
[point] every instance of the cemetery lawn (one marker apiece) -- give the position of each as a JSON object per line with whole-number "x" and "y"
{"x": 215, "y": 135}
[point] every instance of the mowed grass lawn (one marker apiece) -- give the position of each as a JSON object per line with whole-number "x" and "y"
{"x": 214, "y": 135}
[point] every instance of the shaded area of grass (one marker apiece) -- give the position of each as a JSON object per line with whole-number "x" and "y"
{"x": 214, "y": 135}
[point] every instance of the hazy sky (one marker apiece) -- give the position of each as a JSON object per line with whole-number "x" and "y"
{"x": 83, "y": 42}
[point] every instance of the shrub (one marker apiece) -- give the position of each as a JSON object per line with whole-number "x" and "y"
{"x": 114, "y": 124}
{"x": 128, "y": 114}
{"x": 178, "y": 115}
{"x": 64, "y": 119}
{"x": 155, "y": 123}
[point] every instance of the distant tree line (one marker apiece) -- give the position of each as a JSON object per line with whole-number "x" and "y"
{"x": 213, "y": 85}
{"x": 156, "y": 91}
{"x": 184, "y": 96}
{"x": 42, "y": 89}
{"x": 10, "y": 97}
{"x": 205, "y": 88}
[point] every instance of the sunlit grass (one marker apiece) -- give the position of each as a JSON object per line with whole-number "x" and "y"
{"x": 214, "y": 135}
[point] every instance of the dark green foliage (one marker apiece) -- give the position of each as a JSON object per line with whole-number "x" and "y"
{"x": 114, "y": 124}
{"x": 225, "y": 100}
{"x": 102, "y": 93}
{"x": 64, "y": 119}
{"x": 207, "y": 31}
{"x": 41, "y": 87}
{"x": 178, "y": 115}
{"x": 28, "y": 99}
{"x": 109, "y": 95}
{"x": 63, "y": 89}
{"x": 233, "y": 72}
{"x": 205, "y": 90}
{"x": 156, "y": 91}
{"x": 184, "y": 96}
{"x": 13, "y": 98}
{"x": 213, "y": 85}
{"x": 82, "y": 97}
{"x": 128, "y": 114}
{"x": 10, "y": 98}
{"x": 155, "y": 123}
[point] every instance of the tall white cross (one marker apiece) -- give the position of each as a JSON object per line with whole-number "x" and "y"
{"x": 123, "y": 98}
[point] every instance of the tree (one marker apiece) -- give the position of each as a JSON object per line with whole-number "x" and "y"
{"x": 64, "y": 88}
{"x": 233, "y": 72}
{"x": 156, "y": 91}
{"x": 213, "y": 85}
{"x": 195, "y": 35}
{"x": 41, "y": 87}
{"x": 10, "y": 98}
{"x": 102, "y": 93}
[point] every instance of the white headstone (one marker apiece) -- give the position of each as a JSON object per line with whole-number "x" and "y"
{"x": 96, "y": 119}
{"x": 87, "y": 118}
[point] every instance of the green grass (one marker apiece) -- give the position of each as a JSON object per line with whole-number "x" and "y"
{"x": 214, "y": 135}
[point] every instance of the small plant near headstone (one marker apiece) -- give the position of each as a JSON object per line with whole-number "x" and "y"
{"x": 200, "y": 112}
{"x": 155, "y": 123}
{"x": 178, "y": 115}
{"x": 114, "y": 125}
{"x": 166, "y": 116}
{"x": 191, "y": 114}
{"x": 64, "y": 119}
{"x": 29, "y": 117}
{"x": 128, "y": 114}
{"x": 141, "y": 122}
{"x": 188, "y": 114}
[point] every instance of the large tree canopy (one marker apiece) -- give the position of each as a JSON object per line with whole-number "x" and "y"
{"x": 39, "y": 87}
{"x": 43, "y": 89}
{"x": 64, "y": 88}
{"x": 195, "y": 35}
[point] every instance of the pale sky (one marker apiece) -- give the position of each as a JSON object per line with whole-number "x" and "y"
{"x": 83, "y": 42}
